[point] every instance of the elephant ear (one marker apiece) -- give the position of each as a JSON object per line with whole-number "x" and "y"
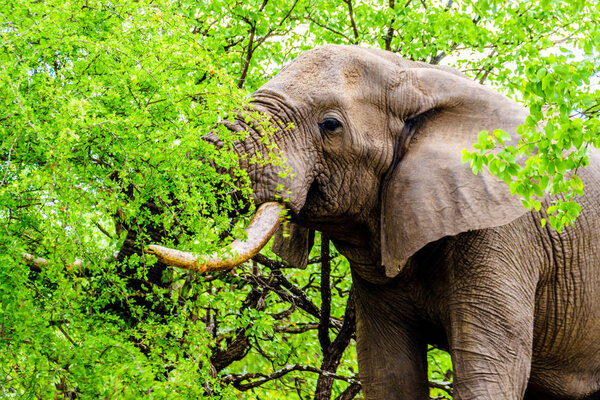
{"x": 293, "y": 243}
{"x": 429, "y": 193}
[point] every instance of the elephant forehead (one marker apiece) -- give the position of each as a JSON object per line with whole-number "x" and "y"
{"x": 331, "y": 68}
{"x": 309, "y": 78}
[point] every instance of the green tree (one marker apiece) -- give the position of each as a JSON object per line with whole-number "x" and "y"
{"x": 104, "y": 106}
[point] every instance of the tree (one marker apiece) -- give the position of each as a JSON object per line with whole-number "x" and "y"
{"x": 104, "y": 106}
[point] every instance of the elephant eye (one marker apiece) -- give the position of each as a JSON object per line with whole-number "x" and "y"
{"x": 330, "y": 124}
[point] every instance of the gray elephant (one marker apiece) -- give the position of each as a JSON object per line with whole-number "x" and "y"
{"x": 438, "y": 255}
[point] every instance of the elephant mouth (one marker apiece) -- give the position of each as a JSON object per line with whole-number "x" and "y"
{"x": 260, "y": 229}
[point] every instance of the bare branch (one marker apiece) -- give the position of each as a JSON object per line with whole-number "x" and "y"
{"x": 390, "y": 32}
{"x": 64, "y": 332}
{"x": 257, "y": 379}
{"x": 296, "y": 329}
{"x": 287, "y": 291}
{"x": 240, "y": 345}
{"x": 352, "y": 21}
{"x": 288, "y": 13}
{"x": 273, "y": 264}
{"x": 350, "y": 392}
{"x": 331, "y": 358}
{"x": 285, "y": 313}
{"x": 488, "y": 70}
{"x": 325, "y": 295}
{"x": 269, "y": 263}
{"x": 249, "y": 51}
{"x": 314, "y": 21}
{"x": 446, "y": 386}
{"x": 102, "y": 229}
{"x": 7, "y": 168}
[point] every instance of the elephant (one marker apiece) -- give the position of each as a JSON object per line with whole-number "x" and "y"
{"x": 438, "y": 254}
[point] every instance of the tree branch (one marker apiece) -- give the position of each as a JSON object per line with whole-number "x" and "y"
{"x": 488, "y": 70}
{"x": 352, "y": 22}
{"x": 288, "y": 13}
{"x": 446, "y": 386}
{"x": 260, "y": 378}
{"x": 296, "y": 329}
{"x": 331, "y": 358}
{"x": 314, "y": 21}
{"x": 249, "y": 51}
{"x": 325, "y": 295}
{"x": 350, "y": 392}
{"x": 287, "y": 291}
{"x": 390, "y": 32}
{"x": 102, "y": 229}
{"x": 240, "y": 345}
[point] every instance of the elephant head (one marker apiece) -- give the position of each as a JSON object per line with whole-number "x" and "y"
{"x": 375, "y": 146}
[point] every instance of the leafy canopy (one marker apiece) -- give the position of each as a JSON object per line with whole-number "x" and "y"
{"x": 103, "y": 109}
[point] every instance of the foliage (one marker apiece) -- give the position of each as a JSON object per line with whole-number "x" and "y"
{"x": 104, "y": 106}
{"x": 557, "y": 76}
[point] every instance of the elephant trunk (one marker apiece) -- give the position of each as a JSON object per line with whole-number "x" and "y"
{"x": 271, "y": 186}
{"x": 259, "y": 231}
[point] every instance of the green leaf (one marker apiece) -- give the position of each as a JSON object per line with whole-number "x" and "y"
{"x": 482, "y": 137}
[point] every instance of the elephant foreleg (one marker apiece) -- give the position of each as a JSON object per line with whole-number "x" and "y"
{"x": 491, "y": 334}
{"x": 391, "y": 357}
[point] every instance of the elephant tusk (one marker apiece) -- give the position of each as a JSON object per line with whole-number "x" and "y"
{"x": 259, "y": 231}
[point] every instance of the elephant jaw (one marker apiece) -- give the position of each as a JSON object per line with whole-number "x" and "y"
{"x": 259, "y": 231}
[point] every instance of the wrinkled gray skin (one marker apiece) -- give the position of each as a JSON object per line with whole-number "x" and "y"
{"x": 438, "y": 254}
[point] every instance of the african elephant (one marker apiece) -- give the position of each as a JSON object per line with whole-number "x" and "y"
{"x": 438, "y": 255}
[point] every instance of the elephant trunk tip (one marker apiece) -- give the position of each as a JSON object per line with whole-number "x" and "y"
{"x": 259, "y": 231}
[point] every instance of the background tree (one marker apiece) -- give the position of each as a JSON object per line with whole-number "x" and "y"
{"x": 104, "y": 106}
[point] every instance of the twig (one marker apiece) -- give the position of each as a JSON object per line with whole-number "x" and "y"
{"x": 279, "y": 285}
{"x": 288, "y": 13}
{"x": 8, "y": 159}
{"x": 296, "y": 329}
{"x": 314, "y": 21}
{"x": 446, "y": 386}
{"x": 102, "y": 229}
{"x": 489, "y": 69}
{"x": 64, "y": 332}
{"x": 273, "y": 264}
{"x": 285, "y": 313}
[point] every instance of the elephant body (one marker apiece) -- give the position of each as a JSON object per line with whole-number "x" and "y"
{"x": 438, "y": 255}
{"x": 517, "y": 306}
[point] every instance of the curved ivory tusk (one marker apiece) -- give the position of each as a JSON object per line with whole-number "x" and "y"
{"x": 261, "y": 228}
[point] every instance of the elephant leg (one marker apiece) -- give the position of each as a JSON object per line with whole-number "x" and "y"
{"x": 533, "y": 395}
{"x": 391, "y": 357}
{"x": 491, "y": 334}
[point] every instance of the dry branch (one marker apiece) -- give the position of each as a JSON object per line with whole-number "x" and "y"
{"x": 257, "y": 379}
